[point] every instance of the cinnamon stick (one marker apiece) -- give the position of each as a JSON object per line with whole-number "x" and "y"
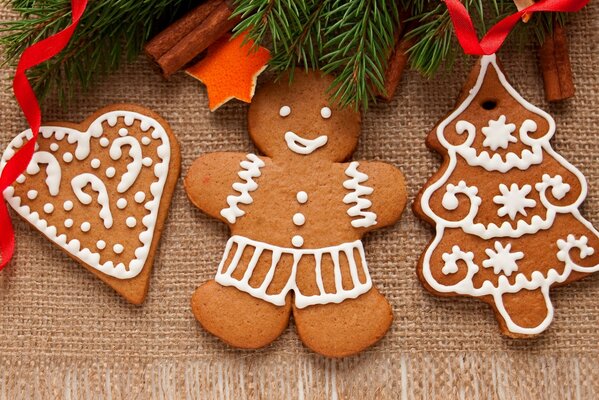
{"x": 396, "y": 65}
{"x": 556, "y": 67}
{"x": 181, "y": 42}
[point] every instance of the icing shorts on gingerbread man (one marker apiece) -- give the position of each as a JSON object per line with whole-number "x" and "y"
{"x": 297, "y": 215}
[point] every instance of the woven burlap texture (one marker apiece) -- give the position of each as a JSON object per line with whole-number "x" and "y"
{"x": 64, "y": 334}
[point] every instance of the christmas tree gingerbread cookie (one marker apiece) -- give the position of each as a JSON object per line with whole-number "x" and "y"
{"x": 505, "y": 207}
{"x": 297, "y": 216}
{"x": 100, "y": 191}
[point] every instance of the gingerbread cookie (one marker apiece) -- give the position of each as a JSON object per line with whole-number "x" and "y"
{"x": 505, "y": 207}
{"x": 100, "y": 191}
{"x": 297, "y": 216}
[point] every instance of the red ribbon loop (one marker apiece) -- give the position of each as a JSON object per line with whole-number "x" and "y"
{"x": 492, "y": 41}
{"x": 32, "y": 56}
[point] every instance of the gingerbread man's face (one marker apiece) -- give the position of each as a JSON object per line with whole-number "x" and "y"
{"x": 298, "y": 120}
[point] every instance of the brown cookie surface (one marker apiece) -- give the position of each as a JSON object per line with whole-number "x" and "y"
{"x": 297, "y": 215}
{"x": 505, "y": 207}
{"x": 100, "y": 190}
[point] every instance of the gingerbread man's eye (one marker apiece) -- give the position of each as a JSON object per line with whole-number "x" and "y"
{"x": 325, "y": 112}
{"x": 285, "y": 111}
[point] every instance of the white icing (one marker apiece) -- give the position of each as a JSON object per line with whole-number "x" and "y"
{"x": 146, "y": 140}
{"x": 302, "y": 197}
{"x": 139, "y": 197}
{"x": 358, "y": 191}
{"x": 48, "y": 208}
{"x": 299, "y": 219}
{"x": 147, "y": 162}
{"x": 499, "y": 134}
{"x": 284, "y": 111}
{"x": 81, "y": 181}
{"x": 502, "y": 259}
{"x": 299, "y": 145}
{"x": 21, "y": 178}
{"x": 95, "y": 163}
{"x": 110, "y": 172}
{"x": 82, "y": 151}
{"x": 123, "y": 132}
{"x": 225, "y": 278}
{"x": 101, "y": 245}
{"x": 53, "y": 170}
{"x": 67, "y": 157}
{"x": 68, "y": 223}
{"x": 450, "y": 265}
{"x": 134, "y": 167}
{"x": 131, "y": 222}
{"x": 297, "y": 241}
{"x": 325, "y": 112}
{"x": 68, "y": 205}
{"x": 121, "y": 203}
{"x": 250, "y": 170}
{"x": 54, "y": 146}
{"x": 118, "y": 248}
{"x": 523, "y": 161}
{"x": 32, "y": 194}
{"x": 86, "y": 226}
{"x": 513, "y": 200}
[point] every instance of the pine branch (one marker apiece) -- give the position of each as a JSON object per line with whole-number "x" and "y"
{"x": 108, "y": 33}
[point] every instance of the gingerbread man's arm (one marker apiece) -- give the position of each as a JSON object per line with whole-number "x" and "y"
{"x": 214, "y": 177}
{"x": 388, "y": 194}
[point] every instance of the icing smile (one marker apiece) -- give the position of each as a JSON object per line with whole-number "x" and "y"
{"x": 299, "y": 145}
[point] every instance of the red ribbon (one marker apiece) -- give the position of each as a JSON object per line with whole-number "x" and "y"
{"x": 492, "y": 41}
{"x": 32, "y": 56}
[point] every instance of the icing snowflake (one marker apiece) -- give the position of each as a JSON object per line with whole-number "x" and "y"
{"x": 513, "y": 200}
{"x": 502, "y": 259}
{"x": 499, "y": 134}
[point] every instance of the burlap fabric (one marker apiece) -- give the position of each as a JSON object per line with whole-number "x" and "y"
{"x": 64, "y": 334}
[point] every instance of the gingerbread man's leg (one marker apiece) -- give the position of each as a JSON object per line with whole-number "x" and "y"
{"x": 338, "y": 330}
{"x": 238, "y": 318}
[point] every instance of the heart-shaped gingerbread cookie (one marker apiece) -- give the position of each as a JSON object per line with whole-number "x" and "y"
{"x": 100, "y": 191}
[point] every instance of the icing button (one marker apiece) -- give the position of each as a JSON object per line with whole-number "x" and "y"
{"x": 299, "y": 219}
{"x": 302, "y": 197}
{"x": 297, "y": 241}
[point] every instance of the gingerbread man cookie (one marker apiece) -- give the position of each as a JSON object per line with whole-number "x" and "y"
{"x": 297, "y": 216}
{"x": 505, "y": 207}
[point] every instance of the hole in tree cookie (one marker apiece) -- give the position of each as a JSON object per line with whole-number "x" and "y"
{"x": 489, "y": 104}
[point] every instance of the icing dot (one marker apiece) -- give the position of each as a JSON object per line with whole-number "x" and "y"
{"x": 95, "y": 163}
{"x": 123, "y": 131}
{"x": 147, "y": 161}
{"x": 68, "y": 223}
{"x": 297, "y": 241}
{"x": 139, "y": 197}
{"x": 101, "y": 245}
{"x": 146, "y": 140}
{"x": 118, "y": 248}
{"x": 131, "y": 222}
{"x": 67, "y": 157}
{"x": 302, "y": 197}
{"x": 110, "y": 172}
{"x": 68, "y": 205}
{"x": 285, "y": 111}
{"x": 37, "y": 147}
{"x": 104, "y": 142}
{"x": 54, "y": 146}
{"x": 299, "y": 219}
{"x": 85, "y": 227}
{"x": 21, "y": 178}
{"x": 325, "y": 112}
{"x": 48, "y": 208}
{"x": 121, "y": 203}
{"x": 32, "y": 194}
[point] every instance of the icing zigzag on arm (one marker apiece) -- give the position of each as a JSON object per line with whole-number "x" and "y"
{"x": 368, "y": 218}
{"x": 251, "y": 170}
